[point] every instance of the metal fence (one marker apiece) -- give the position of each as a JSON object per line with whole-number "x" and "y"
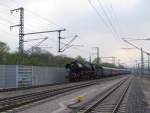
{"x": 8, "y": 76}
{"x": 24, "y": 77}
{"x": 48, "y": 75}
{"x": 19, "y": 76}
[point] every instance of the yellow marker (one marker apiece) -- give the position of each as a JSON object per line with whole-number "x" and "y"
{"x": 80, "y": 98}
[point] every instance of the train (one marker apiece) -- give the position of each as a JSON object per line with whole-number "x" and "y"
{"x": 87, "y": 71}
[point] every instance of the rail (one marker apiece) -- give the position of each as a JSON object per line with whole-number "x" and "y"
{"x": 16, "y": 101}
{"x": 107, "y": 102}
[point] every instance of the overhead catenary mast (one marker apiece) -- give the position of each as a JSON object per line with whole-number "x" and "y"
{"x": 59, "y": 35}
{"x": 142, "y": 54}
{"x": 21, "y": 32}
{"x": 98, "y": 56}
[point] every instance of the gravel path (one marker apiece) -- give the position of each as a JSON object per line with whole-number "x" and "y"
{"x": 136, "y": 98}
{"x": 146, "y": 90}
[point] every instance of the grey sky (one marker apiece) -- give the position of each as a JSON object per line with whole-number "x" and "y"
{"x": 129, "y": 17}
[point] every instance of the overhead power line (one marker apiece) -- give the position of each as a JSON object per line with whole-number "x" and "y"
{"x": 144, "y": 39}
{"x": 103, "y": 19}
{"x": 114, "y": 16}
{"x": 108, "y": 18}
{"x": 68, "y": 45}
{"x": 39, "y": 16}
{"x": 32, "y": 13}
{"x": 45, "y": 19}
{"x": 97, "y": 12}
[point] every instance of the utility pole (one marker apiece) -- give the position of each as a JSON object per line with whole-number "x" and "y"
{"x": 118, "y": 62}
{"x": 148, "y": 63}
{"x": 98, "y": 58}
{"x": 138, "y": 68}
{"x": 142, "y": 62}
{"x": 147, "y": 39}
{"x": 90, "y": 59}
{"x": 114, "y": 60}
{"x": 59, "y": 35}
{"x": 142, "y": 54}
{"x": 59, "y": 38}
{"x": 136, "y": 65}
{"x": 21, "y": 32}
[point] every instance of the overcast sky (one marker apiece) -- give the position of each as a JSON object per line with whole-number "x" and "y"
{"x": 113, "y": 20}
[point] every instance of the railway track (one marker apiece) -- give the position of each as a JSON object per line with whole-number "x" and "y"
{"x": 9, "y": 103}
{"x": 50, "y": 85}
{"x": 109, "y": 102}
{"x": 17, "y": 91}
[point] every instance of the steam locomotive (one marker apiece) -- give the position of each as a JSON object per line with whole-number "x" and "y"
{"x": 87, "y": 71}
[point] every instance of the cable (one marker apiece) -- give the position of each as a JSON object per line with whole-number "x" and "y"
{"x": 44, "y": 18}
{"x": 108, "y": 18}
{"x": 109, "y": 9}
{"x": 114, "y": 15}
{"x": 105, "y": 23}
{"x": 37, "y": 15}
{"x": 33, "y": 13}
{"x": 6, "y": 20}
